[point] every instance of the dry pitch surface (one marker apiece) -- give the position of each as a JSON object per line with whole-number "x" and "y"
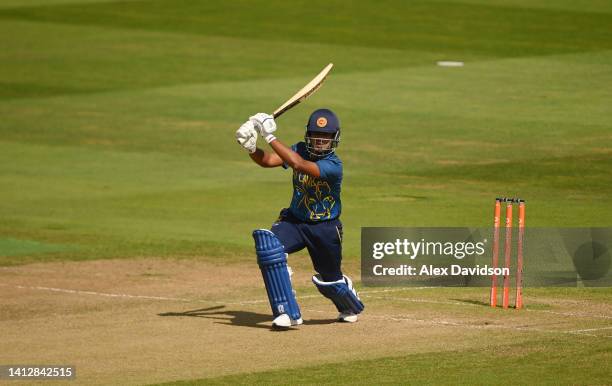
{"x": 153, "y": 320}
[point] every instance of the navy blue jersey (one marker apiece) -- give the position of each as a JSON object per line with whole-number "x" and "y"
{"x": 317, "y": 199}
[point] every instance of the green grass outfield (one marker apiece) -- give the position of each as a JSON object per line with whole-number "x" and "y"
{"x": 117, "y": 123}
{"x": 534, "y": 362}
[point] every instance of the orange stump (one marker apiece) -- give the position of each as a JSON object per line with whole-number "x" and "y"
{"x": 518, "y": 304}
{"x": 507, "y": 254}
{"x": 519, "y": 256}
{"x": 495, "y": 262}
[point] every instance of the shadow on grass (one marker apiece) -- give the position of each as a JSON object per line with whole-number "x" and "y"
{"x": 499, "y": 305}
{"x": 239, "y": 318}
{"x": 474, "y": 302}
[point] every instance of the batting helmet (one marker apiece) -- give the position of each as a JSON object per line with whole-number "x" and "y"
{"x": 322, "y": 121}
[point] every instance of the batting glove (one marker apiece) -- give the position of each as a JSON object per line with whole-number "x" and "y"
{"x": 246, "y": 136}
{"x": 264, "y": 123}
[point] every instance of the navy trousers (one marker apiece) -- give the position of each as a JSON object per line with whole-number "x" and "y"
{"x": 322, "y": 239}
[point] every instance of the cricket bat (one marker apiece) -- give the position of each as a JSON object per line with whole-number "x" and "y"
{"x": 305, "y": 92}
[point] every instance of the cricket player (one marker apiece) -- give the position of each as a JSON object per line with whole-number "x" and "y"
{"x": 312, "y": 220}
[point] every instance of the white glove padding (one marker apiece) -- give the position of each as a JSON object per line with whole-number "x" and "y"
{"x": 246, "y": 136}
{"x": 264, "y": 123}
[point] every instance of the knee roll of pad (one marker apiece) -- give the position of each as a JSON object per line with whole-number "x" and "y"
{"x": 272, "y": 261}
{"x": 341, "y": 293}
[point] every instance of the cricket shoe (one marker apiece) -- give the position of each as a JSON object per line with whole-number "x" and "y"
{"x": 347, "y": 317}
{"x": 284, "y": 321}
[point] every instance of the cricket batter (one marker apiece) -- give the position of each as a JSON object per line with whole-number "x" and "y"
{"x": 312, "y": 220}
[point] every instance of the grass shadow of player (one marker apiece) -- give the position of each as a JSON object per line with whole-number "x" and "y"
{"x": 223, "y": 316}
{"x": 236, "y": 318}
{"x": 316, "y": 322}
{"x": 474, "y": 302}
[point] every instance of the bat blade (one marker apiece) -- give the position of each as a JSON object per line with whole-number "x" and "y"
{"x": 305, "y": 92}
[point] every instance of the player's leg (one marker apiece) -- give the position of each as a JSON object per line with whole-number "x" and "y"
{"x": 343, "y": 295}
{"x": 287, "y": 232}
{"x": 324, "y": 243}
{"x": 272, "y": 252}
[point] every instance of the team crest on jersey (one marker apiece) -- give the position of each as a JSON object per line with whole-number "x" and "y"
{"x": 315, "y": 196}
{"x": 321, "y": 122}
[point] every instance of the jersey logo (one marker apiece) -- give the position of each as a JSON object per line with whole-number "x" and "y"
{"x": 315, "y": 196}
{"x": 321, "y": 122}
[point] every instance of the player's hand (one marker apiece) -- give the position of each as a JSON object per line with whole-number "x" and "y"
{"x": 246, "y": 136}
{"x": 264, "y": 123}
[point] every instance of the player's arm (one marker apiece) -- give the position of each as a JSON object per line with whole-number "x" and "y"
{"x": 266, "y": 126}
{"x": 266, "y": 160}
{"x": 246, "y": 136}
{"x": 294, "y": 160}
